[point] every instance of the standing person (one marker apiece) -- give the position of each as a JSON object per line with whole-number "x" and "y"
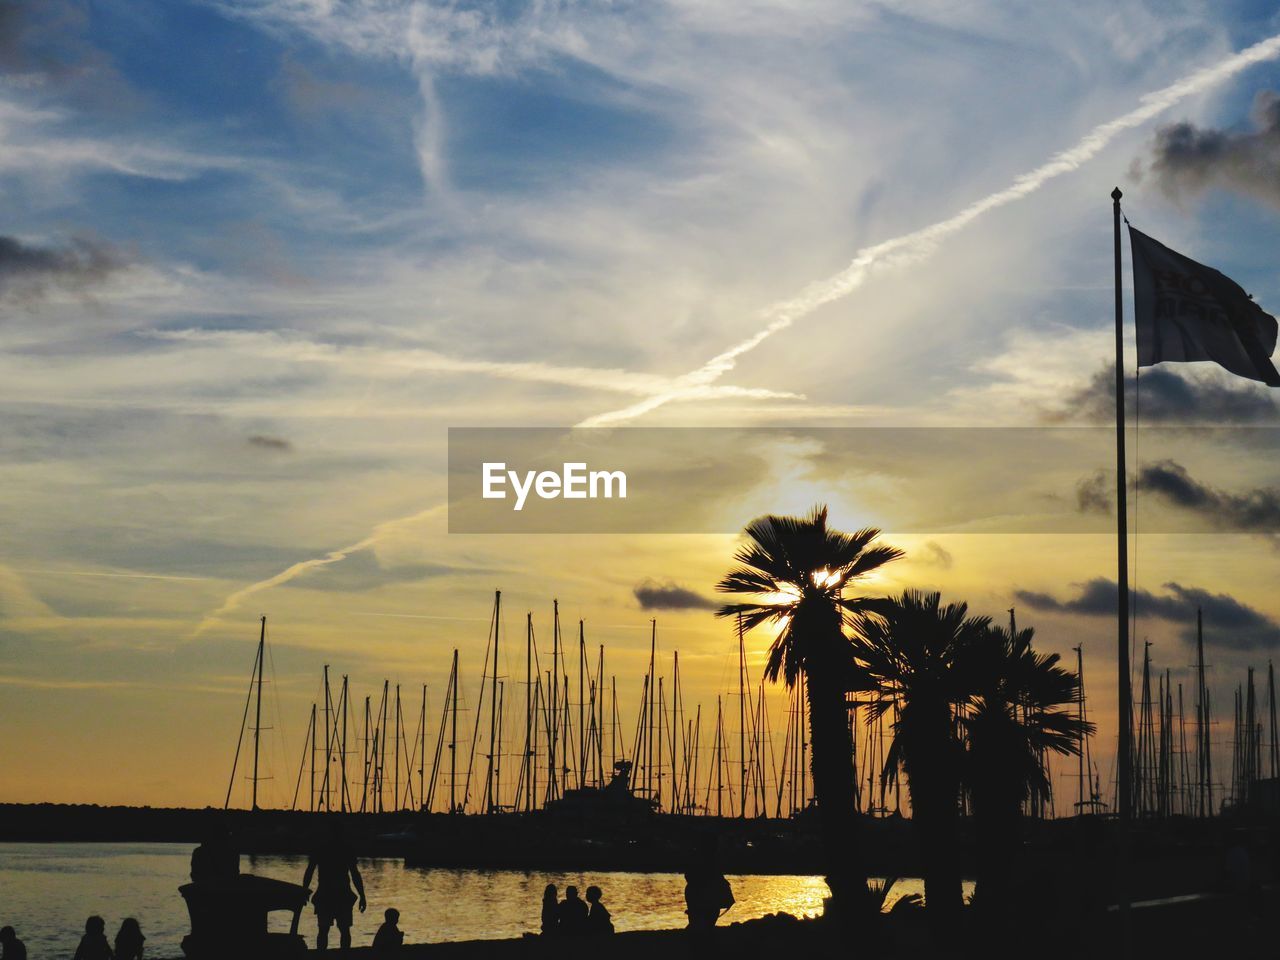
{"x": 129, "y": 941}
{"x": 333, "y": 897}
{"x": 389, "y": 938}
{"x": 93, "y": 945}
{"x": 571, "y": 914}
{"x": 707, "y": 893}
{"x": 550, "y": 910}
{"x": 14, "y": 949}
{"x": 598, "y": 920}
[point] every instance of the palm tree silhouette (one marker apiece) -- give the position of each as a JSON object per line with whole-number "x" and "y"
{"x": 913, "y": 656}
{"x": 795, "y": 570}
{"x": 1022, "y": 709}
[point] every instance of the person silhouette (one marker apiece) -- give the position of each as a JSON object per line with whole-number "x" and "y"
{"x": 598, "y": 920}
{"x": 14, "y": 949}
{"x": 129, "y": 940}
{"x": 93, "y": 945}
{"x": 389, "y": 938}
{"x": 550, "y": 910}
{"x": 707, "y": 893}
{"x": 333, "y": 897}
{"x": 571, "y": 914}
{"x": 216, "y": 861}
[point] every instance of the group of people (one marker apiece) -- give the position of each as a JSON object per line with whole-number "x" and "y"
{"x": 93, "y": 945}
{"x": 573, "y": 916}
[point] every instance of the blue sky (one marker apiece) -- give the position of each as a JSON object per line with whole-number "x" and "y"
{"x": 347, "y": 226}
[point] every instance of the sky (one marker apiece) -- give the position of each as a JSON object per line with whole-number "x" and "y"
{"x": 257, "y": 257}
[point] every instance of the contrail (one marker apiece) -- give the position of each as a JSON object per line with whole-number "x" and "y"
{"x": 298, "y": 349}
{"x": 304, "y": 566}
{"x": 915, "y": 246}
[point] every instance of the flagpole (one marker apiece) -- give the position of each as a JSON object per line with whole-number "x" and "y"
{"x": 1122, "y": 579}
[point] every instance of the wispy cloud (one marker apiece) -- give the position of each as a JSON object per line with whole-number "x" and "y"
{"x": 919, "y": 244}
{"x": 299, "y": 349}
{"x": 303, "y": 567}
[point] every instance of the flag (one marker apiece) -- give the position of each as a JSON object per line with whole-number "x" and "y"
{"x": 1186, "y": 311}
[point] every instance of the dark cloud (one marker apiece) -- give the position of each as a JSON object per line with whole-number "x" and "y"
{"x": 13, "y": 23}
{"x": 264, "y": 442}
{"x": 1167, "y": 397}
{"x": 47, "y": 42}
{"x": 936, "y": 555}
{"x": 670, "y": 596}
{"x": 1093, "y": 494}
{"x": 1251, "y": 512}
{"x": 1186, "y": 160}
{"x": 28, "y": 271}
{"x": 1229, "y": 623}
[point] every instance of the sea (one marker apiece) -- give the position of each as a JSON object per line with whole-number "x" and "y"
{"x": 47, "y": 890}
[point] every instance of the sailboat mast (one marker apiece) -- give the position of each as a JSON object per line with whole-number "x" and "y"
{"x": 530, "y": 760}
{"x": 312, "y": 804}
{"x": 342, "y": 759}
{"x": 422, "y": 750}
{"x": 582, "y": 717}
{"x": 493, "y": 699}
{"x": 653, "y": 652}
{"x": 1274, "y": 753}
{"x": 257, "y": 726}
{"x": 366, "y": 750}
{"x": 742, "y": 717}
{"x": 395, "y": 777}
{"x": 453, "y": 740}
{"x": 328, "y": 741}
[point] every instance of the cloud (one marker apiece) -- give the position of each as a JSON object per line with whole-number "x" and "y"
{"x": 362, "y": 571}
{"x": 1251, "y": 512}
{"x": 935, "y": 555}
{"x": 653, "y": 595}
{"x": 297, "y": 349}
{"x": 1229, "y": 623}
{"x": 28, "y": 271}
{"x": 1093, "y": 494}
{"x": 263, "y": 442}
{"x": 303, "y": 567}
{"x": 1187, "y": 160}
{"x": 1161, "y": 396}
{"x": 912, "y": 247}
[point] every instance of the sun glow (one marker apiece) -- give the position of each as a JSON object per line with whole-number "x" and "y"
{"x": 826, "y": 578}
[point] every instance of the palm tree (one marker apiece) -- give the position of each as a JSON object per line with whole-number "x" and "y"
{"x": 912, "y": 656}
{"x": 795, "y": 571}
{"x": 1023, "y": 708}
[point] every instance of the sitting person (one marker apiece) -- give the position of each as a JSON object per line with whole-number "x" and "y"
{"x": 93, "y": 945}
{"x": 129, "y": 941}
{"x": 389, "y": 938}
{"x": 598, "y": 920}
{"x": 550, "y": 910}
{"x": 14, "y": 949}
{"x": 571, "y": 914}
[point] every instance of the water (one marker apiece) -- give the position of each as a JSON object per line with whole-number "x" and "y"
{"x": 47, "y": 891}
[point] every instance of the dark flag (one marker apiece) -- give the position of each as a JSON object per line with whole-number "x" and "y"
{"x": 1186, "y": 311}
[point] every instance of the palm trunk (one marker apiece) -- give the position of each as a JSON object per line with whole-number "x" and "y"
{"x": 934, "y": 775}
{"x": 833, "y": 789}
{"x": 997, "y": 814}
{"x": 935, "y": 815}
